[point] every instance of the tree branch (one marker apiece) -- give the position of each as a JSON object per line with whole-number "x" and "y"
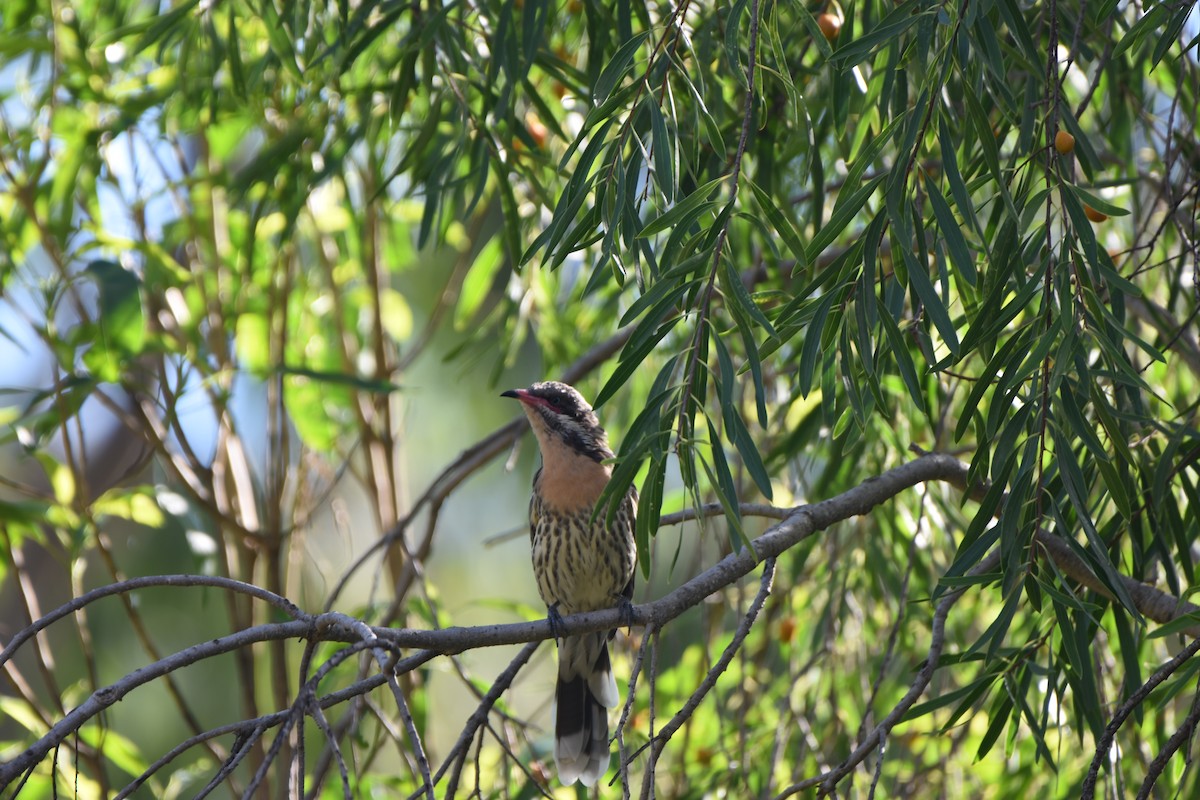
{"x": 796, "y": 525}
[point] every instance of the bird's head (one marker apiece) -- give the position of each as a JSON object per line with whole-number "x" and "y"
{"x": 560, "y": 417}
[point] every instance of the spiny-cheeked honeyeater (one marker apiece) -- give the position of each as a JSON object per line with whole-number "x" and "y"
{"x": 581, "y": 563}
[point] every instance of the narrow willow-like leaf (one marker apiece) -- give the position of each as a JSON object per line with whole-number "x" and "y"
{"x": 956, "y": 243}
{"x": 781, "y": 225}
{"x": 737, "y": 433}
{"x": 735, "y": 291}
{"x": 634, "y": 354}
{"x": 1076, "y": 487}
{"x": 649, "y": 508}
{"x": 663, "y": 149}
{"x": 965, "y": 696}
{"x": 616, "y": 67}
{"x": 733, "y": 56}
{"x": 991, "y": 154}
{"x": 958, "y": 188}
{"x": 889, "y": 29}
{"x": 727, "y": 377}
{"x": 1097, "y": 202}
{"x": 1170, "y": 34}
{"x": 998, "y": 716}
{"x": 684, "y": 209}
{"x": 812, "y": 341}
{"x": 918, "y": 279}
{"x": 1082, "y": 228}
{"x": 904, "y": 362}
{"x": 726, "y": 490}
{"x": 841, "y": 218}
{"x": 814, "y": 30}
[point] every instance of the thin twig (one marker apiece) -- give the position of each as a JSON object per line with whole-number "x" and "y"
{"x": 659, "y": 741}
{"x": 828, "y": 781}
{"x": 458, "y": 753}
{"x": 1110, "y": 730}
{"x": 1178, "y": 739}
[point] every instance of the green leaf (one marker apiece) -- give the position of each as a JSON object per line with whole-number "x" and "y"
{"x": 732, "y": 55}
{"x": 958, "y": 188}
{"x": 726, "y": 490}
{"x": 649, "y": 508}
{"x": 751, "y": 459}
{"x": 814, "y": 30}
{"x": 374, "y": 386}
{"x": 636, "y": 351}
{"x": 735, "y": 291}
{"x": 616, "y": 67}
{"x": 479, "y": 282}
{"x": 782, "y": 226}
{"x": 1151, "y": 21}
{"x": 813, "y": 336}
{"x": 119, "y": 320}
{"x": 1096, "y": 201}
{"x": 842, "y": 215}
{"x": 889, "y": 29}
{"x": 904, "y": 362}
{"x": 918, "y": 279}
{"x": 955, "y": 242}
{"x": 1076, "y": 486}
{"x": 1170, "y": 35}
{"x": 684, "y": 209}
{"x": 664, "y": 152}
{"x": 1181, "y": 625}
{"x": 998, "y": 716}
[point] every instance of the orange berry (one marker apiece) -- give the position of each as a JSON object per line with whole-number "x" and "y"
{"x": 830, "y": 25}
{"x": 1094, "y": 215}
{"x": 1064, "y": 142}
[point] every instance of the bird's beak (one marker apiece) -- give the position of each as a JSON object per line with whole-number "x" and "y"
{"x": 517, "y": 393}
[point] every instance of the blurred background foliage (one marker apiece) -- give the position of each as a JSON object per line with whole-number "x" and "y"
{"x": 264, "y": 265}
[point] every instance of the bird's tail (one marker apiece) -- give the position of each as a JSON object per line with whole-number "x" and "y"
{"x": 586, "y": 690}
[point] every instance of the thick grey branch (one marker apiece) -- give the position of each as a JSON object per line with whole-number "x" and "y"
{"x": 796, "y": 525}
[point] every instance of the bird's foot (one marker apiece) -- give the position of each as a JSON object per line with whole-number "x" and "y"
{"x": 625, "y": 613}
{"x": 556, "y": 621}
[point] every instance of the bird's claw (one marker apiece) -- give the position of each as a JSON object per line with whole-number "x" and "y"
{"x": 556, "y": 621}
{"x": 625, "y": 613}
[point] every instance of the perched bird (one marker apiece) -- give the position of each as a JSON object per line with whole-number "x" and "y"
{"x": 581, "y": 564}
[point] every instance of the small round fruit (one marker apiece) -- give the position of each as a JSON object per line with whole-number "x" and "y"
{"x": 1064, "y": 142}
{"x": 1094, "y": 215}
{"x": 830, "y": 25}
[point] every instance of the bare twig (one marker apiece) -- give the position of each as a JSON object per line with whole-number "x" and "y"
{"x": 458, "y": 753}
{"x": 828, "y": 781}
{"x": 133, "y": 584}
{"x": 1178, "y": 739}
{"x": 659, "y": 741}
{"x": 1110, "y": 730}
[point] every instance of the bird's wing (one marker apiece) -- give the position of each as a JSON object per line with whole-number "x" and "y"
{"x": 629, "y": 506}
{"x": 533, "y": 506}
